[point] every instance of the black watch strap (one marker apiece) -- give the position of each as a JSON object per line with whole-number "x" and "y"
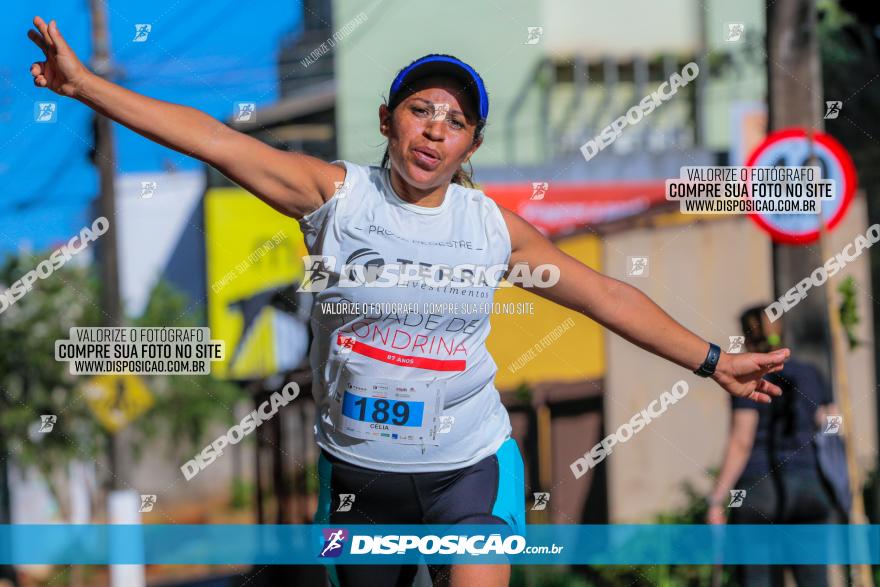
{"x": 711, "y": 361}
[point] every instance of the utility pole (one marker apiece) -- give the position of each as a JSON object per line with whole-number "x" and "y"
{"x": 795, "y": 97}
{"x": 122, "y": 504}
{"x": 105, "y": 161}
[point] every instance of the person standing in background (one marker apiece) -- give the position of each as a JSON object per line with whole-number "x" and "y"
{"x": 771, "y": 455}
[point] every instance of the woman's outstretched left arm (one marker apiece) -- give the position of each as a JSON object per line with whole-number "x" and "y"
{"x": 628, "y": 312}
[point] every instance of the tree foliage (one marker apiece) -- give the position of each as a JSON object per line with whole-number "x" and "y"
{"x": 33, "y": 383}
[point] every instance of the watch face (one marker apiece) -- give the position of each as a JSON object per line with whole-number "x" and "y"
{"x": 708, "y": 366}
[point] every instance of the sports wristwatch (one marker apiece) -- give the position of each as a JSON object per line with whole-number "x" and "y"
{"x": 710, "y": 362}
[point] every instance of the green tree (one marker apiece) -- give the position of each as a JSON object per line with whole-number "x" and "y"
{"x": 33, "y": 383}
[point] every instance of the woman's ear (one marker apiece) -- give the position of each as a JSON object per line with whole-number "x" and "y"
{"x": 384, "y": 120}
{"x": 474, "y": 148}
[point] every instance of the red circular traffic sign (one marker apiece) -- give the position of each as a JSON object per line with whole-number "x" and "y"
{"x": 791, "y": 148}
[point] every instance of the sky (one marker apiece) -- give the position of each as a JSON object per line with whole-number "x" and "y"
{"x": 208, "y": 55}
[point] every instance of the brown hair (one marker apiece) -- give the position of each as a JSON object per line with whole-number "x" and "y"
{"x": 753, "y": 328}
{"x": 462, "y": 177}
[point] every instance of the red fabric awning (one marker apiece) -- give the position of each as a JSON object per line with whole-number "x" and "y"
{"x": 568, "y": 207}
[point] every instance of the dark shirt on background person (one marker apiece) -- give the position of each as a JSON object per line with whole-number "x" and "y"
{"x": 786, "y": 426}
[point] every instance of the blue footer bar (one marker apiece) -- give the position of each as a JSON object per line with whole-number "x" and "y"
{"x": 542, "y": 544}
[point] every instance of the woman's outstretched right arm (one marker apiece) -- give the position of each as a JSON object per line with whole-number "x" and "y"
{"x": 292, "y": 183}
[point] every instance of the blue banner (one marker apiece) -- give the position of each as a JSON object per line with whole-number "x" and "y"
{"x": 542, "y": 544}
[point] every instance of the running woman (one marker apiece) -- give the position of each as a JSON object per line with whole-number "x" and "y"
{"x": 410, "y": 425}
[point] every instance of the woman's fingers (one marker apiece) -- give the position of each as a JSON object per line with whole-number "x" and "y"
{"x": 38, "y": 41}
{"x": 46, "y": 45}
{"x": 767, "y": 369}
{"x": 773, "y": 359}
{"x": 39, "y": 77}
{"x": 763, "y": 390}
{"x": 44, "y": 30}
{"x": 57, "y": 38}
{"x": 776, "y": 368}
{"x": 761, "y": 398}
{"x": 37, "y": 70}
{"x": 769, "y": 388}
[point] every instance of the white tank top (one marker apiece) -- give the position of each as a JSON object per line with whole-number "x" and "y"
{"x": 440, "y": 335}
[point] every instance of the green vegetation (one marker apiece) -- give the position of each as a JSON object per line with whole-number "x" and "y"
{"x": 33, "y": 383}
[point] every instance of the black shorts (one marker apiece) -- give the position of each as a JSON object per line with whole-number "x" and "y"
{"x": 491, "y": 491}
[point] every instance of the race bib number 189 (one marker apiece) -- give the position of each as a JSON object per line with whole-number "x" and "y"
{"x": 385, "y": 409}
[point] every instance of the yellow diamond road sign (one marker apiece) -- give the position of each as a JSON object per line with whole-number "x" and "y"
{"x": 117, "y": 400}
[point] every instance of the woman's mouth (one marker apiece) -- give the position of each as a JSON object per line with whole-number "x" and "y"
{"x": 427, "y": 158}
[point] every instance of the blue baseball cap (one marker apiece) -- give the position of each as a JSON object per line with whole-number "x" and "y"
{"x": 447, "y": 65}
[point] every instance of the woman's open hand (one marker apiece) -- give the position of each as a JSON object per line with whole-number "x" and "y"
{"x": 62, "y": 72}
{"x": 741, "y": 374}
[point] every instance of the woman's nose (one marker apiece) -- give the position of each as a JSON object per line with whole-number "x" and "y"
{"x": 436, "y": 129}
